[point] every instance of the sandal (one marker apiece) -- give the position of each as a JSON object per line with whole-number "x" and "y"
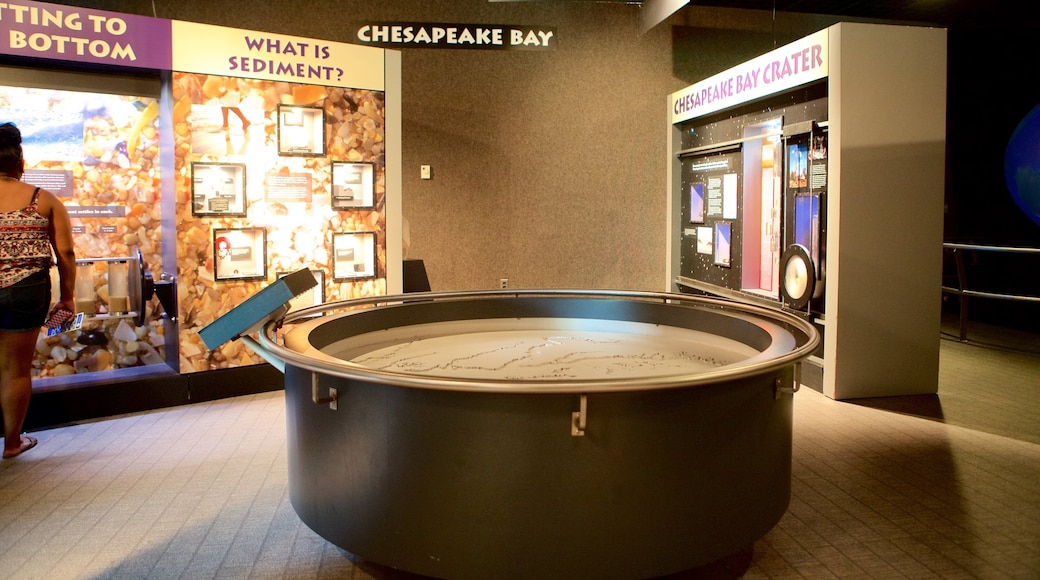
{"x": 27, "y": 443}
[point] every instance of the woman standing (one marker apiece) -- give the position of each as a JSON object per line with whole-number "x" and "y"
{"x": 34, "y": 228}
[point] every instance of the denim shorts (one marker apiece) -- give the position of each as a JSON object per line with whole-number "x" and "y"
{"x": 24, "y": 305}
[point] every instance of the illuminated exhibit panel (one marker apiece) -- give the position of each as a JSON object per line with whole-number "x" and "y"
{"x": 98, "y": 152}
{"x": 756, "y": 178}
{"x": 735, "y": 127}
{"x": 871, "y": 161}
{"x": 762, "y": 195}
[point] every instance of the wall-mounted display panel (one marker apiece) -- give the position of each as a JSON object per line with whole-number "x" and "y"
{"x": 289, "y": 196}
{"x": 705, "y": 240}
{"x": 239, "y": 253}
{"x": 805, "y": 209}
{"x": 353, "y": 185}
{"x": 738, "y": 164}
{"x": 762, "y": 193}
{"x": 218, "y": 189}
{"x": 712, "y": 181}
{"x": 696, "y": 204}
{"x": 285, "y": 185}
{"x": 301, "y": 130}
{"x": 723, "y": 234}
{"x": 354, "y": 255}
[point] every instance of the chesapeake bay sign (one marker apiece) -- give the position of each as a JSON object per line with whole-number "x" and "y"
{"x": 457, "y": 36}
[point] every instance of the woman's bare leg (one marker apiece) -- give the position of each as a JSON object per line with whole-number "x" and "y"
{"x": 16, "y": 352}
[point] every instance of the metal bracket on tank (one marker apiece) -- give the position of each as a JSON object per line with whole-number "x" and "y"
{"x": 579, "y": 418}
{"x": 332, "y": 399}
{"x": 779, "y": 388}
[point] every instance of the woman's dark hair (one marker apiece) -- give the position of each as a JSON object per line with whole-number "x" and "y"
{"x": 10, "y": 149}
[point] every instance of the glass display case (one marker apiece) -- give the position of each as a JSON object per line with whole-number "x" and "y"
{"x": 94, "y": 141}
{"x": 191, "y": 185}
{"x": 122, "y": 326}
{"x": 754, "y": 184}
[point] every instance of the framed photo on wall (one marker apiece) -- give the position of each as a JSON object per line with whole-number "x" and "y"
{"x": 353, "y": 185}
{"x": 301, "y": 130}
{"x": 239, "y": 253}
{"x": 704, "y": 240}
{"x": 354, "y": 255}
{"x": 218, "y": 189}
{"x": 696, "y": 203}
{"x": 314, "y": 297}
{"x": 723, "y": 232}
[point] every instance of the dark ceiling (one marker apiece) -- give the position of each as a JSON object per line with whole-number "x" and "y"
{"x": 959, "y": 13}
{"x": 991, "y": 14}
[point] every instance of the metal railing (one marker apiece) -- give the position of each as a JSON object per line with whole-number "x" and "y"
{"x": 962, "y": 290}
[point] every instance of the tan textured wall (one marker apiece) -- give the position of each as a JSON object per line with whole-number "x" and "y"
{"x": 549, "y": 168}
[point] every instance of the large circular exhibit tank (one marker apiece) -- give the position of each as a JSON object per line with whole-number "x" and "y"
{"x": 539, "y": 434}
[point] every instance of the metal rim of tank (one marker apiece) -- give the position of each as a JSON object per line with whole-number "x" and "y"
{"x": 774, "y": 321}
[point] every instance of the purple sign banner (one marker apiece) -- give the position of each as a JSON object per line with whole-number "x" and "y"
{"x": 53, "y": 31}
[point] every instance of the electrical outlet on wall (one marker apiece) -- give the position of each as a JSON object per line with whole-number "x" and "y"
{"x": 503, "y": 282}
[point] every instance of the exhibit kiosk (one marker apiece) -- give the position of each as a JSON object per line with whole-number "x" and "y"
{"x": 196, "y": 174}
{"x": 812, "y": 179}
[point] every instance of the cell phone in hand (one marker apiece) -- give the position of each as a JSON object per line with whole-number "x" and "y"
{"x": 63, "y": 320}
